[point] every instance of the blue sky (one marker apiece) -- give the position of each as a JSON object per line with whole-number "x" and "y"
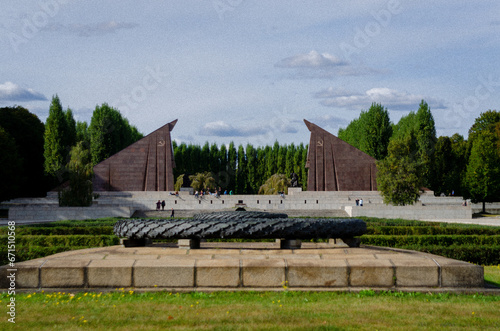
{"x": 251, "y": 71}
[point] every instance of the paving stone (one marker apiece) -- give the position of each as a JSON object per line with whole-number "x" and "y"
{"x": 212, "y": 251}
{"x": 218, "y": 273}
{"x": 110, "y": 273}
{"x": 319, "y": 251}
{"x": 63, "y": 273}
{"x": 324, "y": 273}
{"x": 371, "y": 273}
{"x": 164, "y": 272}
{"x": 132, "y": 257}
{"x": 263, "y": 273}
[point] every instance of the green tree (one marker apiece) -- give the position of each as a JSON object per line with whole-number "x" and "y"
{"x": 426, "y": 138}
{"x": 232, "y": 161}
{"x": 109, "y": 133}
{"x": 24, "y": 147}
{"x": 10, "y": 171}
{"x": 241, "y": 172}
{"x": 179, "y": 182}
{"x": 55, "y": 149}
{"x": 398, "y": 177}
{"x": 79, "y": 193}
{"x": 352, "y": 133}
{"x": 482, "y": 177}
{"x": 371, "y": 132}
{"x": 82, "y": 133}
{"x": 274, "y": 184}
{"x": 252, "y": 165}
{"x": 487, "y": 121}
{"x": 70, "y": 135}
{"x": 449, "y": 165}
{"x": 202, "y": 180}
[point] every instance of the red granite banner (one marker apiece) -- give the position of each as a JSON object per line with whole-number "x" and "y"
{"x": 334, "y": 165}
{"x": 146, "y": 165}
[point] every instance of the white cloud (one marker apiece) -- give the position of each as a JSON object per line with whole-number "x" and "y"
{"x": 393, "y": 99}
{"x": 95, "y": 29}
{"x": 314, "y": 65}
{"x": 222, "y": 129}
{"x": 13, "y": 92}
{"x": 313, "y": 59}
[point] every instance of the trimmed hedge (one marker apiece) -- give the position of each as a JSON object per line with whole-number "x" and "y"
{"x": 430, "y": 230}
{"x": 70, "y": 240}
{"x": 61, "y": 230}
{"x": 24, "y": 253}
{"x": 481, "y": 254}
{"x": 428, "y": 240}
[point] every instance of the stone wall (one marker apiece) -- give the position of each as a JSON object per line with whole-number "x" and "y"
{"x": 411, "y": 212}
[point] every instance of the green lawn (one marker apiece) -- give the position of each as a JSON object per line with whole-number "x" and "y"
{"x": 284, "y": 310}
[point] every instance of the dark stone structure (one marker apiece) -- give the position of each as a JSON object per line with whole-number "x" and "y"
{"x": 146, "y": 165}
{"x": 334, "y": 165}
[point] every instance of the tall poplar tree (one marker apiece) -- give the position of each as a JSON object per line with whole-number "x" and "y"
{"x": 55, "y": 149}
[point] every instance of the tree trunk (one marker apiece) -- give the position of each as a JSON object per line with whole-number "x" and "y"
{"x": 484, "y": 207}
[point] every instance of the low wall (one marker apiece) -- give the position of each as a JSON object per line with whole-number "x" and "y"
{"x": 53, "y": 213}
{"x": 411, "y": 212}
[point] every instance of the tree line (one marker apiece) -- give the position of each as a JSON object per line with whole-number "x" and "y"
{"x": 242, "y": 169}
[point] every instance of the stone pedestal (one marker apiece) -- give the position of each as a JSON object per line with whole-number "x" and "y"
{"x": 189, "y": 243}
{"x": 345, "y": 242}
{"x": 289, "y": 243}
{"x": 136, "y": 242}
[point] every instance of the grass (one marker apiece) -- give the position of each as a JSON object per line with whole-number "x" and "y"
{"x": 492, "y": 275}
{"x": 125, "y": 309}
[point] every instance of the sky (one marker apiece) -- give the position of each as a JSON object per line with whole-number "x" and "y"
{"x": 251, "y": 71}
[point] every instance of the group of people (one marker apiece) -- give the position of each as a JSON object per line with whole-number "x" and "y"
{"x": 162, "y": 204}
{"x": 216, "y": 193}
{"x": 359, "y": 202}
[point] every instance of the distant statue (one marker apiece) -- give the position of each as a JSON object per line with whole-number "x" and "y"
{"x": 294, "y": 179}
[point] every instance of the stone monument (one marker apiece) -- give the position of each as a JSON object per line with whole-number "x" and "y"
{"x": 334, "y": 165}
{"x": 146, "y": 165}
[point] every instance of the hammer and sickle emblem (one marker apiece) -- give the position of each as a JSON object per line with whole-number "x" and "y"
{"x": 320, "y": 142}
{"x": 161, "y": 143}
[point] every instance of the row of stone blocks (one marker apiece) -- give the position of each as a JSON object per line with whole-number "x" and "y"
{"x": 234, "y": 273}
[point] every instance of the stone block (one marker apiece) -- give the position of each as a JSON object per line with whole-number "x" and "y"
{"x": 26, "y": 276}
{"x": 164, "y": 273}
{"x": 218, "y": 273}
{"x": 462, "y": 275}
{"x": 416, "y": 272}
{"x": 63, "y": 273}
{"x": 371, "y": 273}
{"x": 263, "y": 273}
{"x": 324, "y": 273}
{"x": 110, "y": 273}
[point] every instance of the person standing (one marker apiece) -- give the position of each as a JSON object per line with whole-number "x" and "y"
{"x": 172, "y": 213}
{"x": 163, "y": 205}
{"x": 158, "y": 204}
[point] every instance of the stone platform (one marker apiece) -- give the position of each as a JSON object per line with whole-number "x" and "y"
{"x": 246, "y": 266}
